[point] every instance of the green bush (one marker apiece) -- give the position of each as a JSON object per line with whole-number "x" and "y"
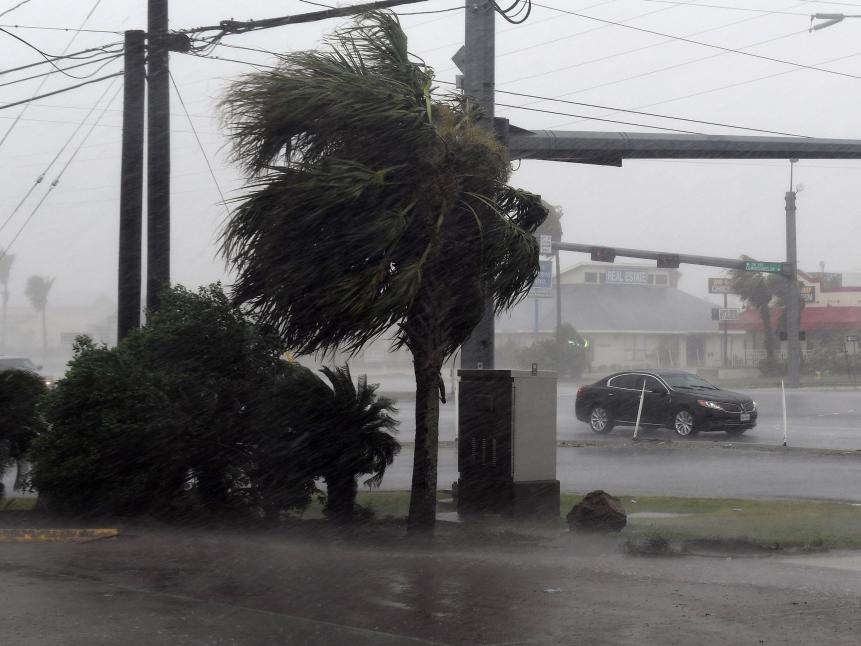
{"x": 20, "y": 421}
{"x": 172, "y": 420}
{"x": 567, "y": 354}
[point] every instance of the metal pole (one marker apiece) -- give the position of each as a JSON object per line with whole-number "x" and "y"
{"x": 559, "y": 349}
{"x": 478, "y": 87}
{"x": 131, "y": 186}
{"x": 158, "y": 154}
{"x": 793, "y": 313}
{"x": 725, "y": 339}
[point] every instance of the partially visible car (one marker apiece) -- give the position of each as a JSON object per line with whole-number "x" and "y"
{"x": 23, "y": 363}
{"x": 680, "y": 401}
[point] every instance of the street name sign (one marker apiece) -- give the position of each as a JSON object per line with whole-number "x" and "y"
{"x": 768, "y": 267}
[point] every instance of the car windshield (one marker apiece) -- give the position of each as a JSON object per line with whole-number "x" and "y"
{"x": 684, "y": 380}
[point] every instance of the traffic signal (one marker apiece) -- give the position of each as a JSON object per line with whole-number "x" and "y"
{"x": 603, "y": 254}
{"x": 668, "y": 261}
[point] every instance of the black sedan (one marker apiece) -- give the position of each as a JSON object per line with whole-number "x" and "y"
{"x": 673, "y": 399}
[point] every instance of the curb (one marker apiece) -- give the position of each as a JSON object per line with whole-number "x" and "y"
{"x": 56, "y": 535}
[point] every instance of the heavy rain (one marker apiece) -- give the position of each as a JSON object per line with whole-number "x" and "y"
{"x": 430, "y": 322}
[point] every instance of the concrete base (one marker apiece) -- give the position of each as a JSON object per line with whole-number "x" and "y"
{"x": 535, "y": 499}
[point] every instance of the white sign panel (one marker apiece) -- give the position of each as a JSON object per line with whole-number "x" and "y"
{"x": 545, "y": 243}
{"x": 626, "y": 276}
{"x": 728, "y": 314}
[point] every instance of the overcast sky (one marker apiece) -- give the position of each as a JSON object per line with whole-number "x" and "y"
{"x": 721, "y": 208}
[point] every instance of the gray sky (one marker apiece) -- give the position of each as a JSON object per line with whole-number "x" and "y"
{"x": 706, "y": 207}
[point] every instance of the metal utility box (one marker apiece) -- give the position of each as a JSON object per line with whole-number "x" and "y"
{"x": 506, "y": 450}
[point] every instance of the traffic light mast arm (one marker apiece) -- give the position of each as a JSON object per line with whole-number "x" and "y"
{"x": 689, "y": 259}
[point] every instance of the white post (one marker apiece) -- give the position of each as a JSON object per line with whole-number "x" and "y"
{"x": 785, "y": 427}
{"x": 639, "y": 412}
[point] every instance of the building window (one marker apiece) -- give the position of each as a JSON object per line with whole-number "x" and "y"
{"x": 651, "y": 279}
{"x": 590, "y": 277}
{"x": 661, "y": 279}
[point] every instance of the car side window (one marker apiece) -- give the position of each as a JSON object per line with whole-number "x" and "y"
{"x": 653, "y": 384}
{"x": 627, "y": 382}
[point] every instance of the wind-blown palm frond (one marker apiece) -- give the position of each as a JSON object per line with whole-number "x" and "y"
{"x": 372, "y": 205}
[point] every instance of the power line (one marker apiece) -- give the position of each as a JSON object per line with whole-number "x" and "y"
{"x": 199, "y": 144}
{"x": 648, "y": 114}
{"x": 624, "y": 123}
{"x": 20, "y": 4}
{"x": 57, "y": 156}
{"x": 49, "y": 58}
{"x": 60, "y": 91}
{"x": 93, "y": 51}
{"x": 636, "y": 49}
{"x": 60, "y": 174}
{"x": 110, "y": 58}
{"x": 728, "y": 50}
{"x": 420, "y": 13}
{"x": 72, "y": 29}
{"x": 728, "y": 8}
{"x": 42, "y": 83}
{"x": 728, "y": 86}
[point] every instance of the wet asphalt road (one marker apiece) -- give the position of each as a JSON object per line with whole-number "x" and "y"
{"x": 824, "y": 426}
{"x": 183, "y": 587}
{"x": 821, "y": 419}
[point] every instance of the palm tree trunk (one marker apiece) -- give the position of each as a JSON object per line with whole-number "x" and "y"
{"x": 422, "y": 514}
{"x": 341, "y": 489}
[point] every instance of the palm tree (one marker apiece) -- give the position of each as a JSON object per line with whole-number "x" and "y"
{"x": 756, "y": 290}
{"x": 37, "y": 291}
{"x": 374, "y": 205}
{"x": 356, "y": 440}
{"x": 5, "y": 269}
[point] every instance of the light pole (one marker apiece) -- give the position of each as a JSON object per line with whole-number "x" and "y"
{"x": 792, "y": 310}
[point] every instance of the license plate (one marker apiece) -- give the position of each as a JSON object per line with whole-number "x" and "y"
{"x": 745, "y": 417}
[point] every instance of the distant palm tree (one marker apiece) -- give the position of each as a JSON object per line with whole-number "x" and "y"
{"x": 756, "y": 290}
{"x": 5, "y": 269}
{"x": 37, "y": 291}
{"x": 356, "y": 440}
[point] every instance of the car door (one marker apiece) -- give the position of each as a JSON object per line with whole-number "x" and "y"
{"x": 656, "y": 403}
{"x": 623, "y": 397}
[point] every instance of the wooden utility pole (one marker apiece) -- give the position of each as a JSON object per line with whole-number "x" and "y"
{"x": 131, "y": 186}
{"x": 478, "y": 86}
{"x": 158, "y": 153}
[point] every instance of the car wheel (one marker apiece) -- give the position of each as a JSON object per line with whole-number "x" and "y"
{"x": 599, "y": 420}
{"x": 683, "y": 423}
{"x": 734, "y": 431}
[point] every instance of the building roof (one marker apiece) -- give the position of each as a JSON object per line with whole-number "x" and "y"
{"x": 615, "y": 308}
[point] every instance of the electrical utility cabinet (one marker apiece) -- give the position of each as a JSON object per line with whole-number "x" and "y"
{"x": 506, "y": 448}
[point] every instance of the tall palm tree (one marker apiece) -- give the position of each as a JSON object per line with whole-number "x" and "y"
{"x": 374, "y": 204}
{"x": 756, "y": 290}
{"x": 37, "y": 291}
{"x": 6, "y": 261}
{"x": 356, "y": 440}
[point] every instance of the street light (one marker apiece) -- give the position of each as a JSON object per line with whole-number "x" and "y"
{"x": 829, "y": 18}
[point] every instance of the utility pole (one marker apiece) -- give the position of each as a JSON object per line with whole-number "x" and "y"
{"x": 479, "y": 86}
{"x": 793, "y": 312}
{"x": 158, "y": 153}
{"x": 131, "y": 186}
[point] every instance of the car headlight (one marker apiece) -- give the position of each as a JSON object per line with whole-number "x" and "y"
{"x": 754, "y": 406}
{"x": 706, "y": 403}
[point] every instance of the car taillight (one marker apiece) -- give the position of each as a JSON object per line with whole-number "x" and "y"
{"x": 580, "y": 390}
